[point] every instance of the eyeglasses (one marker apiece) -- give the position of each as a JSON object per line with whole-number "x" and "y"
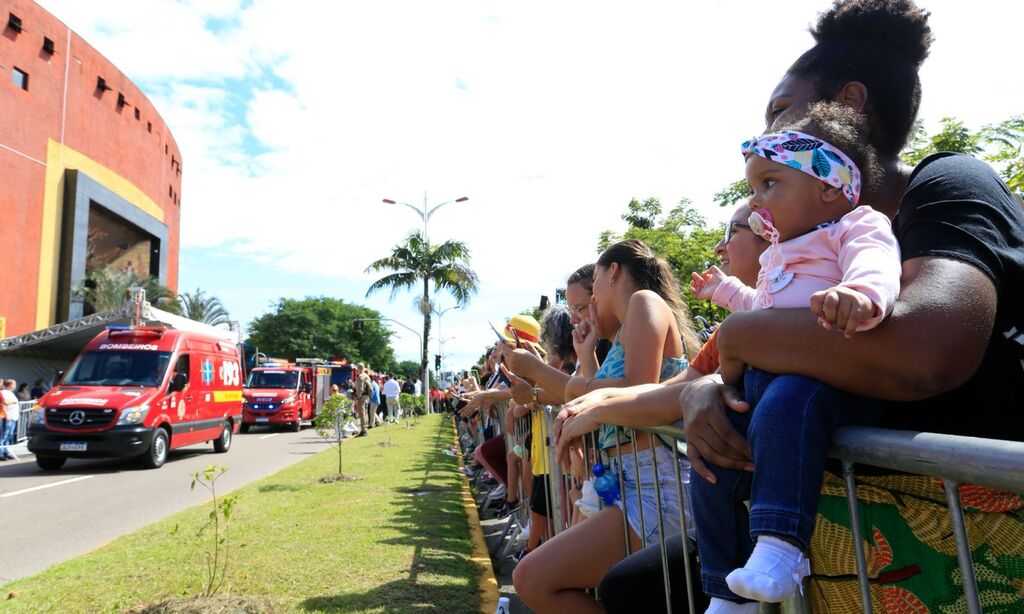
{"x": 578, "y": 310}
{"x": 730, "y": 229}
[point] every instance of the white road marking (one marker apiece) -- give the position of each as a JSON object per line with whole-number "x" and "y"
{"x": 35, "y": 488}
{"x": 270, "y": 435}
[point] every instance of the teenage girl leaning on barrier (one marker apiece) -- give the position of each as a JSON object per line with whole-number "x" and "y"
{"x": 636, "y": 302}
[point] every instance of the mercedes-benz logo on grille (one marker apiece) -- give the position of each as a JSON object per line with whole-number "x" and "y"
{"x": 77, "y": 417}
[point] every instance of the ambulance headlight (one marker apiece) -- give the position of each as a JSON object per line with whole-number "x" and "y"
{"x": 37, "y": 416}
{"x": 133, "y": 415}
{"x": 290, "y": 399}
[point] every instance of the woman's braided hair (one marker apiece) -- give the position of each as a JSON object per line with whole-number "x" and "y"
{"x": 650, "y": 272}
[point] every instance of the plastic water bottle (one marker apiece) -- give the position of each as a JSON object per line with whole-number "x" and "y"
{"x": 605, "y": 484}
{"x": 518, "y": 450}
{"x": 502, "y": 606}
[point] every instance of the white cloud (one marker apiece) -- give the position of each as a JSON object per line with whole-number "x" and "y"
{"x": 550, "y": 116}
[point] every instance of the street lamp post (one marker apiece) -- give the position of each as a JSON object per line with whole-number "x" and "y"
{"x": 425, "y": 213}
{"x": 440, "y": 346}
{"x": 426, "y": 387}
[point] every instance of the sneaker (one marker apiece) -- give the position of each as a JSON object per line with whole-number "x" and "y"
{"x": 466, "y": 471}
{"x": 506, "y": 508}
{"x": 498, "y": 493}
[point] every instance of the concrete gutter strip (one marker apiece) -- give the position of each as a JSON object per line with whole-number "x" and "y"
{"x": 488, "y": 587}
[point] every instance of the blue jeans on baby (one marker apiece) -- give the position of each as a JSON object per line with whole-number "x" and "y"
{"x": 789, "y": 427}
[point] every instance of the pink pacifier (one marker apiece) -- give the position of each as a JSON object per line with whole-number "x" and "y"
{"x": 760, "y": 222}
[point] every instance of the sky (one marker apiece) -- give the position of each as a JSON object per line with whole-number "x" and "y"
{"x": 295, "y": 120}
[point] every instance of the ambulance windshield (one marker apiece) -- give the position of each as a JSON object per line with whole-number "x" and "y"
{"x": 273, "y": 379}
{"x": 118, "y": 368}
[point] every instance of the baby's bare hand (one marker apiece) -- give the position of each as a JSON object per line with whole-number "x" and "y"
{"x": 842, "y": 309}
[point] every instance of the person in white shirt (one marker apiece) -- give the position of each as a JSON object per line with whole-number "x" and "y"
{"x": 391, "y": 392}
{"x": 9, "y": 403}
{"x": 417, "y": 386}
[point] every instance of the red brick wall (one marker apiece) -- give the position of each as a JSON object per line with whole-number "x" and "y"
{"x": 93, "y": 124}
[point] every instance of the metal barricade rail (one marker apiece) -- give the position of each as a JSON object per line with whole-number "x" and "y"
{"x": 954, "y": 459}
{"x": 24, "y": 413}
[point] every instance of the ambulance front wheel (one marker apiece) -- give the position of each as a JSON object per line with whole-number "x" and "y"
{"x": 223, "y": 443}
{"x": 50, "y": 463}
{"x": 156, "y": 455}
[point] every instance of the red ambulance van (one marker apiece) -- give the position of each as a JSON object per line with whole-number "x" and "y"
{"x": 140, "y": 391}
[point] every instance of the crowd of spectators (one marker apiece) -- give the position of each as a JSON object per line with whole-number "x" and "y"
{"x": 862, "y": 291}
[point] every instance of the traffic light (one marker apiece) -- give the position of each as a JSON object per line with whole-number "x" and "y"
{"x": 357, "y": 325}
{"x": 437, "y": 362}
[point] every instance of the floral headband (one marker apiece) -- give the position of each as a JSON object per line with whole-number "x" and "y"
{"x": 811, "y": 155}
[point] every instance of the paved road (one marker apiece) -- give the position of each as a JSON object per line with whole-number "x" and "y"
{"x": 53, "y": 516}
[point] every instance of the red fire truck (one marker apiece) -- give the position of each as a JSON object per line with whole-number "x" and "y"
{"x": 140, "y": 391}
{"x": 279, "y": 393}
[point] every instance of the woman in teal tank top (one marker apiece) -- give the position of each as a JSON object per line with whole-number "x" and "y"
{"x": 636, "y": 302}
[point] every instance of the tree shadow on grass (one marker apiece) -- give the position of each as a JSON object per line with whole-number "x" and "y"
{"x": 431, "y": 520}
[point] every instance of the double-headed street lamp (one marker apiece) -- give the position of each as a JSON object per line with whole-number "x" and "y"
{"x": 426, "y": 212}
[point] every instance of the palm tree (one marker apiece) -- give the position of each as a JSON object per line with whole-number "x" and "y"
{"x": 202, "y": 308}
{"x": 416, "y": 261}
{"x": 107, "y": 289}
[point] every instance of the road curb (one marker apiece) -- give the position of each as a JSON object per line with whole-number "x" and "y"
{"x": 487, "y": 587}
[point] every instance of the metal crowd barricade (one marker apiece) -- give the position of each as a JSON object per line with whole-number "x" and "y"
{"x": 24, "y": 414}
{"x": 518, "y": 519}
{"x": 953, "y": 459}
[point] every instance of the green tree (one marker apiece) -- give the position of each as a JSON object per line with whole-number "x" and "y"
{"x": 684, "y": 239}
{"x": 1005, "y": 141}
{"x": 321, "y": 327}
{"x": 732, "y": 193}
{"x": 1001, "y": 144}
{"x": 415, "y": 261}
{"x": 408, "y": 368}
{"x": 953, "y": 135}
{"x": 204, "y": 308}
{"x": 329, "y": 422}
{"x": 107, "y": 289}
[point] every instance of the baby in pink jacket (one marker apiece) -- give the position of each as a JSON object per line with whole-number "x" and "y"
{"x": 840, "y": 258}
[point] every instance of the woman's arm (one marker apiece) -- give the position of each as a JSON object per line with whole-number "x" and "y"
{"x": 643, "y": 334}
{"x": 933, "y": 342}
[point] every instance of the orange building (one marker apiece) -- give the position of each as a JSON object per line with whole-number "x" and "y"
{"x": 90, "y": 175}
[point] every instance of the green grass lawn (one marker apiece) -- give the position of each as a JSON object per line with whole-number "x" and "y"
{"x": 394, "y": 541}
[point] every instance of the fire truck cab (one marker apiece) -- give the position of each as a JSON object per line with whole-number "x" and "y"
{"x": 278, "y": 394}
{"x": 140, "y": 391}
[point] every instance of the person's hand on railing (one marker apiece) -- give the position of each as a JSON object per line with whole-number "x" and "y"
{"x": 569, "y": 428}
{"x": 710, "y": 436}
{"x": 577, "y": 464}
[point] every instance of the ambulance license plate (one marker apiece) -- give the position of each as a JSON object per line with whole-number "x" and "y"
{"x": 72, "y": 446}
{"x": 262, "y": 420}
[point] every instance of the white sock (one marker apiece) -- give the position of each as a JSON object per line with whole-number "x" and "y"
{"x": 724, "y": 606}
{"x": 772, "y": 573}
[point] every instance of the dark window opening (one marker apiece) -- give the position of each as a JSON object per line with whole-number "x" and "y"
{"x": 166, "y": 149}
{"x": 120, "y": 100}
{"x": 138, "y": 115}
{"x": 14, "y": 22}
{"x": 48, "y": 46}
{"x": 170, "y": 191}
{"x": 101, "y": 84}
{"x": 19, "y": 78}
{"x": 149, "y": 127}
